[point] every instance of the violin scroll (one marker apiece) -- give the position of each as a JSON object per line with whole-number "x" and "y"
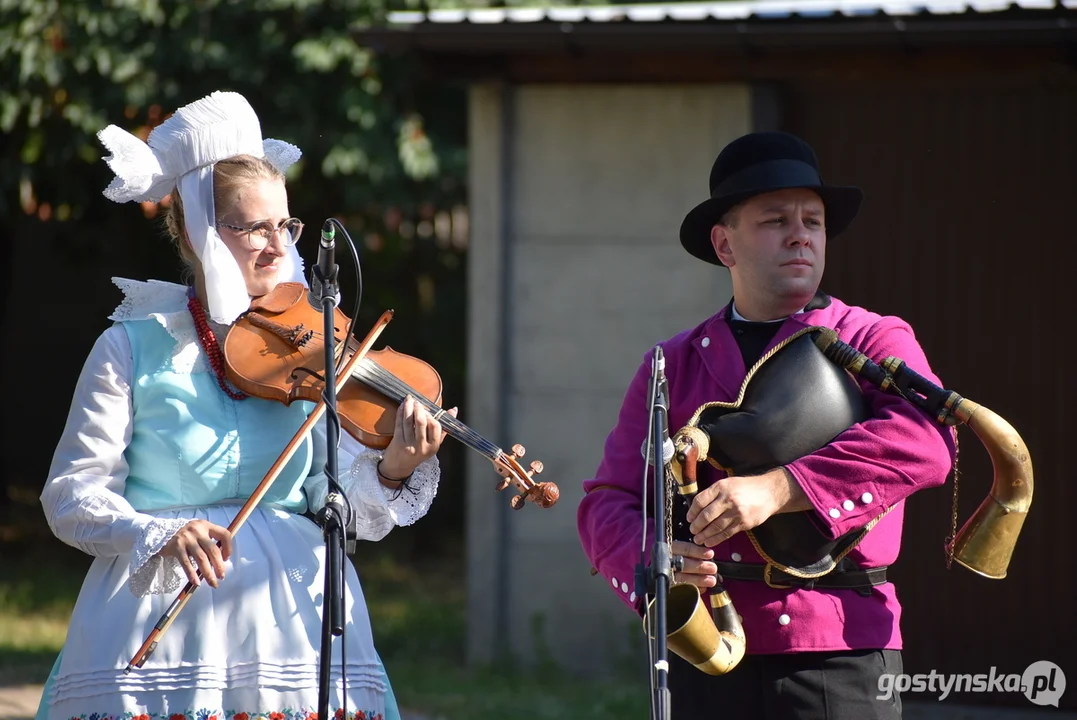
{"x": 543, "y": 494}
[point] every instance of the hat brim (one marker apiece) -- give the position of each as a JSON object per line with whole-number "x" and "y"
{"x": 842, "y": 204}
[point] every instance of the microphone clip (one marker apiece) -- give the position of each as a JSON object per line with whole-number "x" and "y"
{"x": 337, "y": 515}
{"x": 661, "y": 385}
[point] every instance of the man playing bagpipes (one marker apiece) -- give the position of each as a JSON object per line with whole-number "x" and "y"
{"x": 792, "y": 472}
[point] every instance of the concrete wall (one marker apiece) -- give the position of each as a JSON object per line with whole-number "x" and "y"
{"x": 577, "y": 194}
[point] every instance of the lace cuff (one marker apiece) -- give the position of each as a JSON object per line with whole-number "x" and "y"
{"x": 407, "y": 503}
{"x": 152, "y": 574}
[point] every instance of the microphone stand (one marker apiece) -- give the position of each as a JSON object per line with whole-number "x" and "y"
{"x": 336, "y": 519}
{"x": 659, "y": 574}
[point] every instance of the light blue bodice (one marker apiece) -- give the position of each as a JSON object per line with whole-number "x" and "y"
{"x": 194, "y": 445}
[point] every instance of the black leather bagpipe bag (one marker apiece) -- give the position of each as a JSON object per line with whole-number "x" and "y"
{"x": 795, "y": 402}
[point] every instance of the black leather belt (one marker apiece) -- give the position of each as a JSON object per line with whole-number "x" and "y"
{"x": 852, "y": 579}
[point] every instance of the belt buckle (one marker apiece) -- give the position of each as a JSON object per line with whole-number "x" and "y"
{"x": 769, "y": 582}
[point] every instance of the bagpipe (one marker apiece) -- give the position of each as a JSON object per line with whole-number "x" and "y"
{"x": 796, "y": 399}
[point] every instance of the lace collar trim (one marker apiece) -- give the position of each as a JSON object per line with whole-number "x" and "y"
{"x": 166, "y": 303}
{"x": 144, "y": 299}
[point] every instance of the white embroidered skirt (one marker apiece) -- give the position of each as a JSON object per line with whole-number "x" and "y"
{"x": 247, "y": 649}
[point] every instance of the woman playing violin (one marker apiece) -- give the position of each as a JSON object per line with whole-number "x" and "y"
{"x": 160, "y": 451}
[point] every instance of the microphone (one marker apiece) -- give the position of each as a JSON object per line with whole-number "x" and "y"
{"x": 326, "y": 254}
{"x": 324, "y": 277}
{"x": 661, "y": 400}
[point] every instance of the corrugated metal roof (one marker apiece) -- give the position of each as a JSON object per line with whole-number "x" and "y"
{"x": 731, "y": 10}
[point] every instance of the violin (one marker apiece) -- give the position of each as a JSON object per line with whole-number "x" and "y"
{"x": 276, "y": 351}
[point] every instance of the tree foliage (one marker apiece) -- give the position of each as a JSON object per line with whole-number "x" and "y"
{"x": 383, "y": 151}
{"x": 77, "y": 65}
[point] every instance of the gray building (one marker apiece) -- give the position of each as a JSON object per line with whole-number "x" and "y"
{"x": 592, "y": 132}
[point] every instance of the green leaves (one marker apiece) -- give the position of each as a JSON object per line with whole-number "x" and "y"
{"x": 82, "y": 64}
{"x": 416, "y": 150}
{"x": 345, "y": 161}
{"x": 327, "y": 53}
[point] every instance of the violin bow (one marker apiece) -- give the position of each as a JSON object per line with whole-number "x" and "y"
{"x": 343, "y": 376}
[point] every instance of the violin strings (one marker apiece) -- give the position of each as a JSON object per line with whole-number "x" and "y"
{"x": 385, "y": 382}
{"x": 390, "y": 382}
{"x": 391, "y": 385}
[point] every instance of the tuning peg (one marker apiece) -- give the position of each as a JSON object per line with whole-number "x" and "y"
{"x": 536, "y": 468}
{"x": 517, "y": 502}
{"x": 503, "y": 484}
{"x": 518, "y": 450}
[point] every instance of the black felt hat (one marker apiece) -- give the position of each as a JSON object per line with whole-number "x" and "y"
{"x": 759, "y": 163}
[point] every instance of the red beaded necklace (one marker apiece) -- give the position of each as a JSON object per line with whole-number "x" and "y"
{"x": 211, "y": 347}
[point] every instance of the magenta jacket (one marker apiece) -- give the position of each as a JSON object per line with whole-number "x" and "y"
{"x": 866, "y": 469}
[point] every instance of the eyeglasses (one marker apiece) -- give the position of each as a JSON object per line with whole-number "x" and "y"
{"x": 259, "y": 233}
